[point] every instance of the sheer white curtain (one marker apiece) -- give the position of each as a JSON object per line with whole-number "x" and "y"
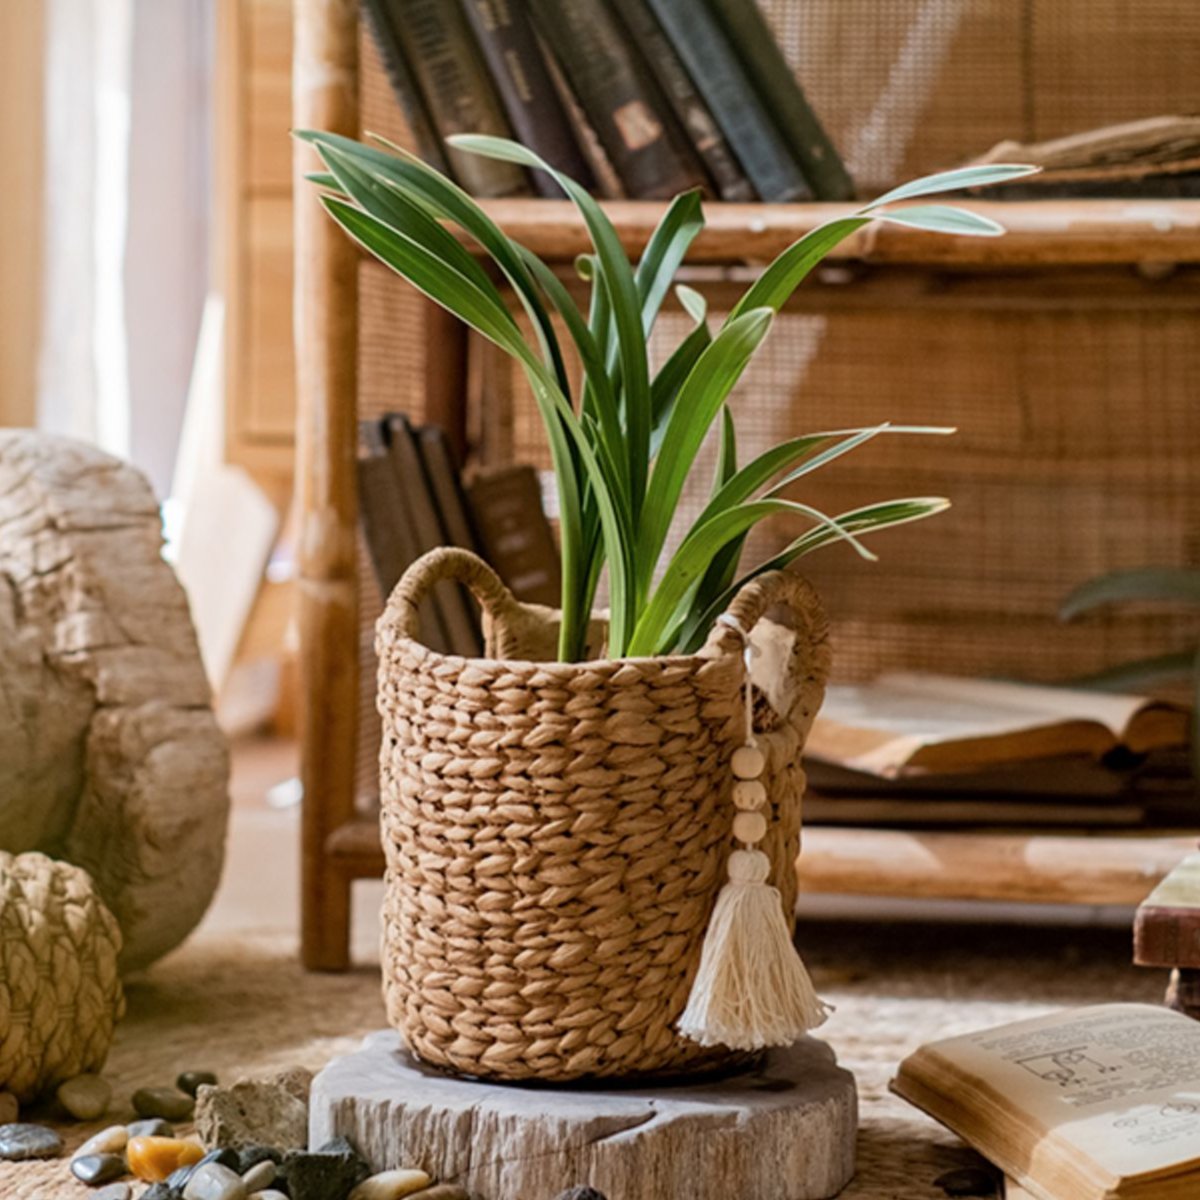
{"x": 128, "y": 121}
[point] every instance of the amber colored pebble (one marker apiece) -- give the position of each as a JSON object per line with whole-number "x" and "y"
{"x": 749, "y": 794}
{"x": 749, "y": 827}
{"x": 748, "y": 762}
{"x": 155, "y": 1158}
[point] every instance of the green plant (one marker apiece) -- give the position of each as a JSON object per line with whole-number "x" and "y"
{"x": 622, "y": 443}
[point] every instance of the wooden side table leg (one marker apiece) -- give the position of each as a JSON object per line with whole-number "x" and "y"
{"x": 1183, "y": 992}
{"x": 1166, "y": 933}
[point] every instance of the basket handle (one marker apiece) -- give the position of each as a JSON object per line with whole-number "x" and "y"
{"x": 755, "y": 600}
{"x": 401, "y": 616}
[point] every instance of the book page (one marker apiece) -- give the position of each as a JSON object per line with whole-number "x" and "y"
{"x": 880, "y": 726}
{"x": 1118, "y": 1083}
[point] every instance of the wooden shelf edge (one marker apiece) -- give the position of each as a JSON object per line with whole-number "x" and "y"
{"x": 1040, "y": 232}
{"x": 1026, "y": 868}
{"x": 1039, "y": 868}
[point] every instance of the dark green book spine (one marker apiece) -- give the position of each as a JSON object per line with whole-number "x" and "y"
{"x": 755, "y": 45}
{"x": 727, "y": 175}
{"x": 404, "y": 87}
{"x": 631, "y": 118}
{"x": 723, "y": 82}
{"x": 457, "y": 89}
{"x": 530, "y": 99}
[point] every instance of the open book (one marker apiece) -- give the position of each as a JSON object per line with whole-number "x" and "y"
{"x": 1099, "y": 1103}
{"x": 907, "y": 723}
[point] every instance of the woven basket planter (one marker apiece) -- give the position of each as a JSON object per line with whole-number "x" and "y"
{"x": 556, "y": 833}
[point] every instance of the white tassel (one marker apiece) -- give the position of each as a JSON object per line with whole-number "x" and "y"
{"x": 752, "y": 990}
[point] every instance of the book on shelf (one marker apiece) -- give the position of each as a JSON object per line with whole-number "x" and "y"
{"x": 380, "y": 18}
{"x": 619, "y": 98}
{"x": 725, "y": 84}
{"x": 1096, "y": 1103}
{"x": 1156, "y": 156}
{"x": 457, "y": 90}
{"x": 911, "y": 723}
{"x": 429, "y": 531}
{"x": 412, "y": 498}
{"x": 784, "y": 99}
{"x": 681, "y": 94}
{"x": 387, "y": 526}
{"x": 514, "y": 535}
{"x": 531, "y": 101}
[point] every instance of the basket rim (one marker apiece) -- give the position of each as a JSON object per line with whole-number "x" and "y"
{"x": 704, "y": 655}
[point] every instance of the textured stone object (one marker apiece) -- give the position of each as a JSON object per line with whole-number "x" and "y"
{"x": 268, "y": 1112}
{"x": 783, "y": 1131}
{"x": 110, "y": 756}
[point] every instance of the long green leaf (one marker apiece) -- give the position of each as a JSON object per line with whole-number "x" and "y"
{"x": 447, "y": 201}
{"x": 1179, "y": 585}
{"x": 429, "y": 274}
{"x": 954, "y": 181}
{"x": 664, "y": 389}
{"x": 688, "y": 564}
{"x": 773, "y": 287}
{"x": 942, "y": 218}
{"x": 391, "y": 204}
{"x": 868, "y": 519}
{"x": 619, "y": 284}
{"x": 598, "y": 398}
{"x": 700, "y": 398}
{"x": 665, "y": 253}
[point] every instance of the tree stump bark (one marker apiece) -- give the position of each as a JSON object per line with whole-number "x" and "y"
{"x": 784, "y": 1131}
{"x": 110, "y": 756}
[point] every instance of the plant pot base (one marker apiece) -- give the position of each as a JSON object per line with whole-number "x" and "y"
{"x": 783, "y": 1130}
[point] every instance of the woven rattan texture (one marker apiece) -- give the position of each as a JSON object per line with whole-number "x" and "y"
{"x": 59, "y": 988}
{"x": 556, "y": 833}
{"x": 910, "y": 86}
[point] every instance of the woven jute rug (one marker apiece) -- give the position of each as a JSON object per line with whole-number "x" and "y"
{"x": 243, "y": 1006}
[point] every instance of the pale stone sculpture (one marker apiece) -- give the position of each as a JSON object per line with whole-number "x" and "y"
{"x": 110, "y": 756}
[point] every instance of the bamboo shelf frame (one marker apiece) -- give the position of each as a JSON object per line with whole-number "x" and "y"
{"x": 1046, "y": 242}
{"x": 1040, "y": 233}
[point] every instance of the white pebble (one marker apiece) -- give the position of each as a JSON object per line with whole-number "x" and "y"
{"x": 212, "y": 1181}
{"x": 269, "y": 1194}
{"x": 391, "y": 1185}
{"x": 85, "y": 1097}
{"x": 260, "y": 1176}
{"x": 112, "y": 1140}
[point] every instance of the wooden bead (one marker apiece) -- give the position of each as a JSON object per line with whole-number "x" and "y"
{"x": 749, "y": 794}
{"x": 749, "y": 827}
{"x": 748, "y": 762}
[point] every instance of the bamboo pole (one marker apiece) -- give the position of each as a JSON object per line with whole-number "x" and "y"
{"x": 325, "y": 96}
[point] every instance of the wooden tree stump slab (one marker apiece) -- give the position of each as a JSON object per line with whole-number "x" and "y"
{"x": 110, "y": 756}
{"x": 784, "y": 1131}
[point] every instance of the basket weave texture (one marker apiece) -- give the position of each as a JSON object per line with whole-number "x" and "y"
{"x": 60, "y": 993}
{"x": 556, "y": 833}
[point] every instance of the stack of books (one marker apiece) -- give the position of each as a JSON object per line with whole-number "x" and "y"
{"x": 912, "y": 749}
{"x": 413, "y": 498}
{"x": 635, "y": 98}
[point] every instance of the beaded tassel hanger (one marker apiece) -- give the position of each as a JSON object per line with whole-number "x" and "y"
{"x": 752, "y": 989}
